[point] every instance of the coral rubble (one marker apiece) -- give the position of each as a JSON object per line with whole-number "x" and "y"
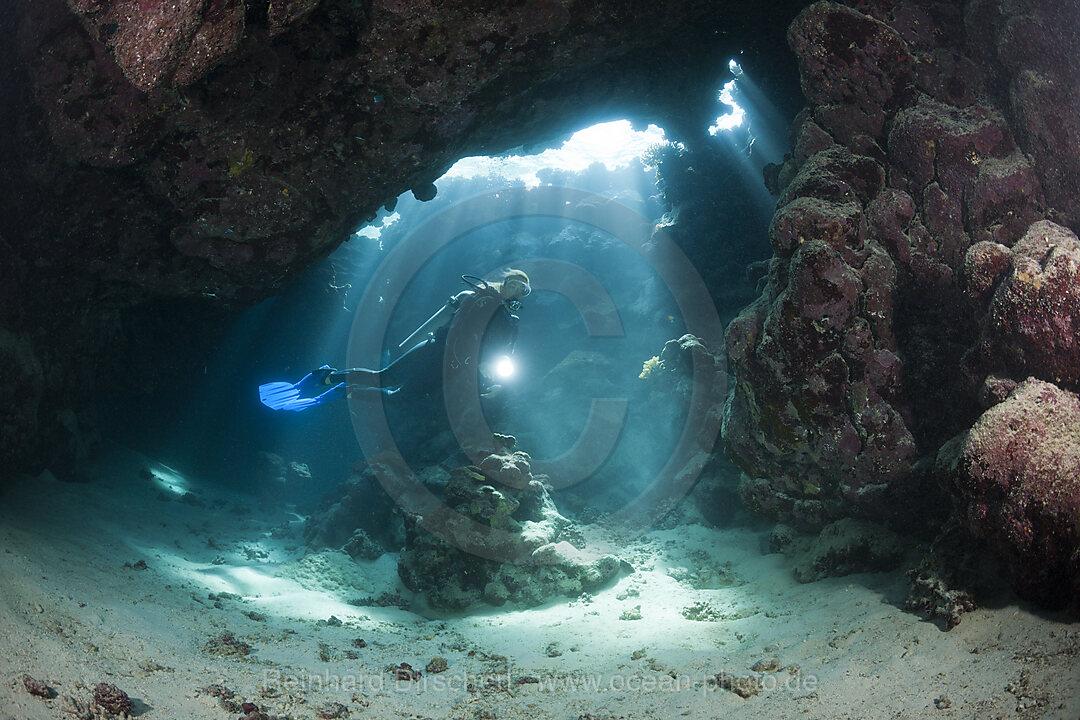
{"x": 37, "y": 687}
{"x": 112, "y": 699}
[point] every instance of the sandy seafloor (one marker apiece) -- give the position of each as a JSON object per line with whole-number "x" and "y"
{"x": 76, "y": 610}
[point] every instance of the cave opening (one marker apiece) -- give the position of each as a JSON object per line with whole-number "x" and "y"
{"x": 680, "y": 189}
{"x": 607, "y": 211}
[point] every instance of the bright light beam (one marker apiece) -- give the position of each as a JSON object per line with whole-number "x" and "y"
{"x": 614, "y": 144}
{"x": 734, "y": 118}
{"x": 504, "y": 368}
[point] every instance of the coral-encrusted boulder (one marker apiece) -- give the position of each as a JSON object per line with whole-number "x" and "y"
{"x": 848, "y": 546}
{"x": 512, "y": 468}
{"x": 1016, "y": 480}
{"x": 852, "y": 67}
{"x": 963, "y": 164}
{"x": 903, "y": 159}
{"x": 112, "y": 699}
{"x": 1032, "y": 326}
{"x": 525, "y": 551}
{"x": 984, "y": 264}
{"x": 672, "y": 373}
{"x": 813, "y": 419}
{"x": 154, "y": 41}
{"x": 1034, "y": 46}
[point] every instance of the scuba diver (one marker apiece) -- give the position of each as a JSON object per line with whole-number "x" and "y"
{"x": 473, "y": 332}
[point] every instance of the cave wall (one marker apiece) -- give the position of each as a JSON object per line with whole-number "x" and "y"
{"x": 925, "y": 264}
{"x": 922, "y": 137}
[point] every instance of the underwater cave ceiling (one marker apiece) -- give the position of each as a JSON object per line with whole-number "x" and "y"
{"x": 217, "y": 147}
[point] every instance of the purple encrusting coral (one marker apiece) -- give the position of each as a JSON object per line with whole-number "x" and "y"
{"x": 917, "y": 278}
{"x": 1032, "y": 325}
{"x": 1016, "y": 477}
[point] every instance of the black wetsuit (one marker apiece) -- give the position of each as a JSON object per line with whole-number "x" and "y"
{"x": 481, "y": 329}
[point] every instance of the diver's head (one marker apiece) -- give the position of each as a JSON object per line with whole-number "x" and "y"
{"x": 513, "y": 286}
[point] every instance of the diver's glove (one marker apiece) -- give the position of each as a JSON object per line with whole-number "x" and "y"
{"x": 327, "y": 375}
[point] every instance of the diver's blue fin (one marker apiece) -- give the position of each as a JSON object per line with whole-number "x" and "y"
{"x": 287, "y": 396}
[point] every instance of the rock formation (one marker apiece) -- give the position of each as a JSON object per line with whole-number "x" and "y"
{"x": 918, "y": 277}
{"x": 530, "y": 554}
{"x": 1016, "y": 477}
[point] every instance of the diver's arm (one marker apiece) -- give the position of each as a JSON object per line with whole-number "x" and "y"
{"x": 433, "y": 323}
{"x": 422, "y": 333}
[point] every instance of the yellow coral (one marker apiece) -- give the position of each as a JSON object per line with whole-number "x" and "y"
{"x": 648, "y": 367}
{"x": 240, "y": 161}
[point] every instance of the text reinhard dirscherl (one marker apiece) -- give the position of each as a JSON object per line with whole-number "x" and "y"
{"x": 569, "y": 683}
